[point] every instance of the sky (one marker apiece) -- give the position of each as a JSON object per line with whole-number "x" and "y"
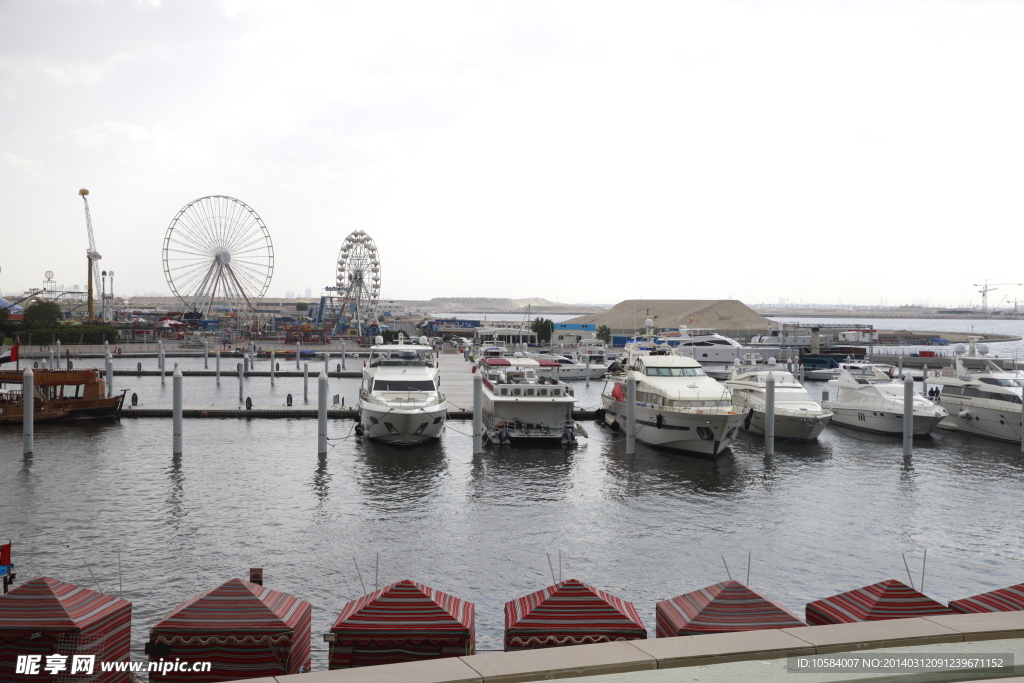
{"x": 585, "y": 152}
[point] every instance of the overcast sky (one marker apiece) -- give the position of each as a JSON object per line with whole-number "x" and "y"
{"x": 852, "y": 151}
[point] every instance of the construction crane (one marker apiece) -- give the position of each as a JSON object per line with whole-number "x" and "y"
{"x": 985, "y": 289}
{"x": 91, "y": 255}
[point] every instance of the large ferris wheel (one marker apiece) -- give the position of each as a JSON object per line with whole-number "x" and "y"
{"x": 358, "y": 283}
{"x": 218, "y": 258}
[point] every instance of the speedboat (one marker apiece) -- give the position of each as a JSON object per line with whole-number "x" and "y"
{"x": 677, "y": 405}
{"x": 521, "y": 406}
{"x": 399, "y": 400}
{"x": 797, "y": 415}
{"x": 871, "y": 399}
{"x": 984, "y": 402}
{"x": 716, "y": 353}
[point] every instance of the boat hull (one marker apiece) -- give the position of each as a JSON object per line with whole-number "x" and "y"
{"x": 701, "y": 433}
{"x": 991, "y": 423}
{"x": 794, "y": 427}
{"x": 882, "y": 420}
{"x": 402, "y": 426}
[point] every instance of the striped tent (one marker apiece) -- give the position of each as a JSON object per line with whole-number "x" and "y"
{"x": 244, "y": 629}
{"x": 403, "y": 622}
{"x": 569, "y": 613}
{"x": 883, "y": 600}
{"x": 724, "y": 607}
{"x": 1009, "y": 599}
{"x": 46, "y": 617}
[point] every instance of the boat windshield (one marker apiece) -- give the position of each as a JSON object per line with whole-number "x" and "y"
{"x": 674, "y": 372}
{"x": 403, "y": 385}
{"x": 1001, "y": 381}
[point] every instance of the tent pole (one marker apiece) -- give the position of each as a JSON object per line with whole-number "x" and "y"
{"x": 359, "y": 573}
{"x": 726, "y": 568}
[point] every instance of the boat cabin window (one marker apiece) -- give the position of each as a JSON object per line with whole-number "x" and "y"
{"x": 978, "y": 393}
{"x": 1001, "y": 382}
{"x": 403, "y": 385}
{"x": 675, "y": 372}
{"x": 73, "y": 391}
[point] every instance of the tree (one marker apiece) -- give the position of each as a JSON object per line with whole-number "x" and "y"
{"x": 302, "y": 306}
{"x": 544, "y": 329}
{"x": 41, "y": 314}
{"x": 604, "y": 333}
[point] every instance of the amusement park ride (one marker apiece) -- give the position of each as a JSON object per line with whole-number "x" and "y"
{"x": 349, "y": 309}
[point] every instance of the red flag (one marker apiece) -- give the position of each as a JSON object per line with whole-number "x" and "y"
{"x": 10, "y": 356}
{"x": 618, "y": 393}
{"x": 5, "y": 554}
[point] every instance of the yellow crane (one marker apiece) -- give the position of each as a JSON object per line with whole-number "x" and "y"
{"x": 91, "y": 254}
{"x": 986, "y": 288}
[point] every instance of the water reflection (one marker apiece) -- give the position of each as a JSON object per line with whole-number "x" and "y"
{"x": 176, "y": 495}
{"x": 537, "y": 474}
{"x": 399, "y": 478}
{"x": 321, "y": 480}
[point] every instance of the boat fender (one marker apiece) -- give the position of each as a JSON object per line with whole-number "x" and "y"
{"x": 658, "y": 421}
{"x": 503, "y": 439}
{"x": 360, "y": 429}
{"x": 614, "y": 425}
{"x": 599, "y": 414}
{"x": 474, "y": 369}
{"x": 964, "y": 414}
{"x": 747, "y": 419}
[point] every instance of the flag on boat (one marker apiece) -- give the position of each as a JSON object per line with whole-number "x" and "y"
{"x": 569, "y": 613}
{"x": 883, "y": 600}
{"x": 403, "y": 622}
{"x": 721, "y": 608}
{"x": 10, "y": 355}
{"x": 1010, "y": 599}
{"x": 246, "y": 630}
{"x": 45, "y": 616}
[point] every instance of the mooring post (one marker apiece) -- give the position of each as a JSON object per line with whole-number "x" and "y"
{"x": 161, "y": 360}
{"x": 327, "y": 360}
{"x": 176, "y": 381}
{"x": 630, "y": 415}
{"x": 206, "y": 354}
{"x": 478, "y": 413}
{"x": 924, "y": 380}
{"x": 769, "y": 414}
{"x": 241, "y": 384}
{"x": 271, "y": 368}
{"x": 109, "y": 374}
{"x": 217, "y": 353}
{"x": 321, "y": 413}
{"x": 901, "y": 365}
{"x": 305, "y": 382}
{"x": 59, "y": 362}
{"x": 51, "y": 365}
{"x": 245, "y": 364}
{"x": 28, "y": 410}
{"x": 908, "y": 416}
{"x": 588, "y": 370}
{"x": 342, "y": 354}
{"x": 298, "y": 352}
{"x": 106, "y": 347}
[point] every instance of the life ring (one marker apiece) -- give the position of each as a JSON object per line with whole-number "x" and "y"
{"x": 88, "y": 374}
{"x": 937, "y": 373}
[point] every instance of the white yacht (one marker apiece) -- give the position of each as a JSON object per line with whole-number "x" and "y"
{"x": 797, "y": 415}
{"x": 870, "y": 398}
{"x": 569, "y": 368}
{"x": 677, "y": 405}
{"x": 399, "y": 400}
{"x": 716, "y": 353}
{"x": 595, "y": 352}
{"x": 984, "y": 401}
{"x": 522, "y": 406}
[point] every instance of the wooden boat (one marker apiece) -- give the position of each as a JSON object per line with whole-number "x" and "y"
{"x": 60, "y": 395}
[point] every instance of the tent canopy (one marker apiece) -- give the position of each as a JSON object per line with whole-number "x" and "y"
{"x": 889, "y": 599}
{"x": 236, "y": 605}
{"x": 721, "y": 608}
{"x": 569, "y": 613}
{"x": 46, "y": 603}
{"x": 1010, "y": 599}
{"x": 406, "y": 609}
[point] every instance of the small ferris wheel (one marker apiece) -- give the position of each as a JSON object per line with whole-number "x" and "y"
{"x": 358, "y": 283}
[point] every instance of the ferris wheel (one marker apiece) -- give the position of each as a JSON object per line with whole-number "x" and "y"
{"x": 218, "y": 258}
{"x": 358, "y": 282}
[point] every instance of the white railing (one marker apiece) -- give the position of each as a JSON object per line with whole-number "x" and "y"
{"x": 408, "y": 402}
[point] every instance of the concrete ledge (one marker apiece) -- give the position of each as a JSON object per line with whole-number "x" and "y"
{"x": 984, "y": 625}
{"x": 866, "y": 635}
{"x": 561, "y": 662}
{"x": 723, "y": 647}
{"x": 447, "y": 670}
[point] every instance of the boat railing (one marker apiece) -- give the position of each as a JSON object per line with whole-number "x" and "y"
{"x": 789, "y": 412}
{"x": 890, "y": 401}
{"x": 410, "y": 401}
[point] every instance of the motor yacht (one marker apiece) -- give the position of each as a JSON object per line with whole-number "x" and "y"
{"x": 716, "y": 353}
{"x": 399, "y": 400}
{"x": 797, "y": 415}
{"x": 984, "y": 401}
{"x": 595, "y": 353}
{"x": 677, "y": 405}
{"x": 869, "y": 397}
{"x": 522, "y": 406}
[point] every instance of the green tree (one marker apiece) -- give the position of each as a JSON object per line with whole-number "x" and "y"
{"x": 544, "y": 329}
{"x": 5, "y": 323}
{"x": 604, "y": 333}
{"x": 302, "y": 306}
{"x": 41, "y": 314}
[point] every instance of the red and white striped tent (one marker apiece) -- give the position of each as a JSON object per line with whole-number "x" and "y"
{"x": 1010, "y": 599}
{"x": 403, "y": 622}
{"x": 569, "y": 613}
{"x": 721, "y": 608}
{"x": 889, "y": 599}
{"x": 244, "y": 629}
{"x": 45, "y": 616}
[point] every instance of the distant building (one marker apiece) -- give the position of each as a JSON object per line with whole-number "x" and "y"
{"x": 290, "y": 294}
{"x": 309, "y": 292}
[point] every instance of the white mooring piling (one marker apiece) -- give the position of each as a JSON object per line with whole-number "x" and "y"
{"x": 161, "y": 359}
{"x": 924, "y": 380}
{"x": 769, "y": 414}
{"x": 342, "y": 354}
{"x": 51, "y": 365}
{"x": 630, "y": 425}
{"x": 217, "y": 365}
{"x": 241, "y": 384}
{"x": 109, "y": 375}
{"x": 271, "y": 368}
{"x": 59, "y": 363}
{"x": 106, "y": 347}
{"x": 588, "y": 369}
{"x": 298, "y": 354}
{"x": 327, "y": 361}
{"x": 206, "y": 355}
{"x": 321, "y": 414}
{"x": 901, "y": 366}
{"x": 305, "y": 382}
{"x": 28, "y": 407}
{"x": 245, "y": 364}
{"x": 478, "y": 414}
{"x": 176, "y": 381}
{"x": 908, "y": 416}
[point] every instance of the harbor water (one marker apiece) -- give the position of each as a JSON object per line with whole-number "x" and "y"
{"x": 816, "y": 518}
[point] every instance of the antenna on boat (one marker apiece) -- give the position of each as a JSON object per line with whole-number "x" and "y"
{"x": 359, "y": 574}
{"x": 726, "y": 568}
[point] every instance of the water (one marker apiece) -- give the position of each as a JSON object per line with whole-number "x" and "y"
{"x": 818, "y": 518}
